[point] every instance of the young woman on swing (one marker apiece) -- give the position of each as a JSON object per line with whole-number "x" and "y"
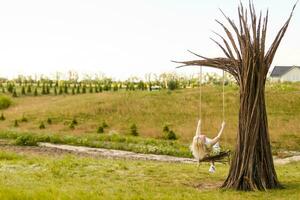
{"x": 203, "y": 146}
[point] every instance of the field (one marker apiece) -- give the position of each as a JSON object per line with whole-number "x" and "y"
{"x": 27, "y": 174}
{"x": 56, "y": 176}
{"x": 150, "y": 111}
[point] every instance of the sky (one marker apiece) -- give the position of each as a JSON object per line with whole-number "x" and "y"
{"x": 124, "y": 38}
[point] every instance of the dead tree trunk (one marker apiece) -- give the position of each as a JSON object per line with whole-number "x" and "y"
{"x": 252, "y": 165}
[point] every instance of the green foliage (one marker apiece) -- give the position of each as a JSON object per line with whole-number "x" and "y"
{"x": 66, "y": 91}
{"x": 55, "y": 90}
{"x": 29, "y": 89}
{"x": 23, "y": 91}
{"x": 74, "y": 121}
{"x": 10, "y": 87}
{"x": 73, "y": 91}
{"x": 49, "y": 120}
{"x": 26, "y": 140}
{"x": 42, "y": 125}
{"x": 60, "y": 91}
{"x": 166, "y": 128}
{"x": 16, "y": 123}
{"x": 84, "y": 89}
{"x": 2, "y": 118}
{"x": 35, "y": 91}
{"x": 24, "y": 119}
{"x": 168, "y": 133}
{"x": 172, "y": 84}
{"x": 77, "y": 90}
{"x": 15, "y": 93}
{"x": 72, "y": 125}
{"x": 133, "y": 130}
{"x": 5, "y": 102}
{"x": 100, "y": 129}
{"x": 104, "y": 124}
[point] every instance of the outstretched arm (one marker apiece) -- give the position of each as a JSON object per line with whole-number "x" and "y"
{"x": 198, "y": 131}
{"x": 216, "y": 139}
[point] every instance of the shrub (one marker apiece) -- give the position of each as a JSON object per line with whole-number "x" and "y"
{"x": 49, "y": 120}
{"x": 170, "y": 135}
{"x": 100, "y": 129}
{"x": 66, "y": 89}
{"x": 29, "y": 89}
{"x": 35, "y": 91}
{"x": 133, "y": 130}
{"x": 14, "y": 93}
{"x": 16, "y": 123}
{"x": 71, "y": 126}
{"x": 172, "y": 84}
{"x": 166, "y": 128}
{"x": 74, "y": 121}
{"x": 73, "y": 90}
{"x": 91, "y": 89}
{"x": 23, "y": 91}
{"x": 26, "y": 140}
{"x": 104, "y": 124}
{"x": 55, "y": 90}
{"x": 24, "y": 119}
{"x": 78, "y": 90}
{"x": 60, "y": 90}
{"x": 2, "y": 118}
{"x": 5, "y": 102}
{"x": 84, "y": 89}
{"x": 42, "y": 125}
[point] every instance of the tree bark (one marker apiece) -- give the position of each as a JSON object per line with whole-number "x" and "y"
{"x": 252, "y": 166}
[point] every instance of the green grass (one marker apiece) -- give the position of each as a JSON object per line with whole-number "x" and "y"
{"x": 68, "y": 177}
{"x": 151, "y": 111}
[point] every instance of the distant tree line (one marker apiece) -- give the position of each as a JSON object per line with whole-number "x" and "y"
{"x": 44, "y": 86}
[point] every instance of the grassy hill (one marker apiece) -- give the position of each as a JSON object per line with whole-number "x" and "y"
{"x": 150, "y": 111}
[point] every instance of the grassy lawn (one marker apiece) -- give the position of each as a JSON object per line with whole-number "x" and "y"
{"x": 34, "y": 176}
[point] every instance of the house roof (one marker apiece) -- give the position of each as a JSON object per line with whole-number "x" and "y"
{"x": 281, "y": 70}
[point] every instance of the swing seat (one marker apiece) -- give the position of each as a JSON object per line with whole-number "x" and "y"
{"x": 222, "y": 157}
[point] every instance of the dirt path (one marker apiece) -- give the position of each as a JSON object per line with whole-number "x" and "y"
{"x": 116, "y": 153}
{"x": 59, "y": 149}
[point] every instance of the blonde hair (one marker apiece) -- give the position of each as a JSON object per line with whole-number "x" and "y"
{"x": 198, "y": 148}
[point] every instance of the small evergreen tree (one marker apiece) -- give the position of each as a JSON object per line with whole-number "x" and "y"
{"x": 16, "y": 123}
{"x": 14, "y": 93}
{"x": 23, "y": 90}
{"x": 66, "y": 89}
{"x": 49, "y": 120}
{"x": 60, "y": 90}
{"x": 133, "y": 130}
{"x": 100, "y": 129}
{"x": 91, "y": 88}
{"x": 2, "y": 118}
{"x": 84, "y": 89}
{"x": 78, "y": 89}
{"x": 55, "y": 90}
{"x": 29, "y": 89}
{"x": 35, "y": 91}
{"x": 42, "y": 125}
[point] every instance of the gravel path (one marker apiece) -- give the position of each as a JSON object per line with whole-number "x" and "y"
{"x": 117, "y": 153}
{"x": 58, "y": 149}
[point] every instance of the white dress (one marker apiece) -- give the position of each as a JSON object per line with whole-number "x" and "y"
{"x": 216, "y": 149}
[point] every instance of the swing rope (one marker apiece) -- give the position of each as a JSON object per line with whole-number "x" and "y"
{"x": 223, "y": 97}
{"x": 200, "y": 93}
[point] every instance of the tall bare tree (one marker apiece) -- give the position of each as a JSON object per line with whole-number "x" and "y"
{"x": 252, "y": 166}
